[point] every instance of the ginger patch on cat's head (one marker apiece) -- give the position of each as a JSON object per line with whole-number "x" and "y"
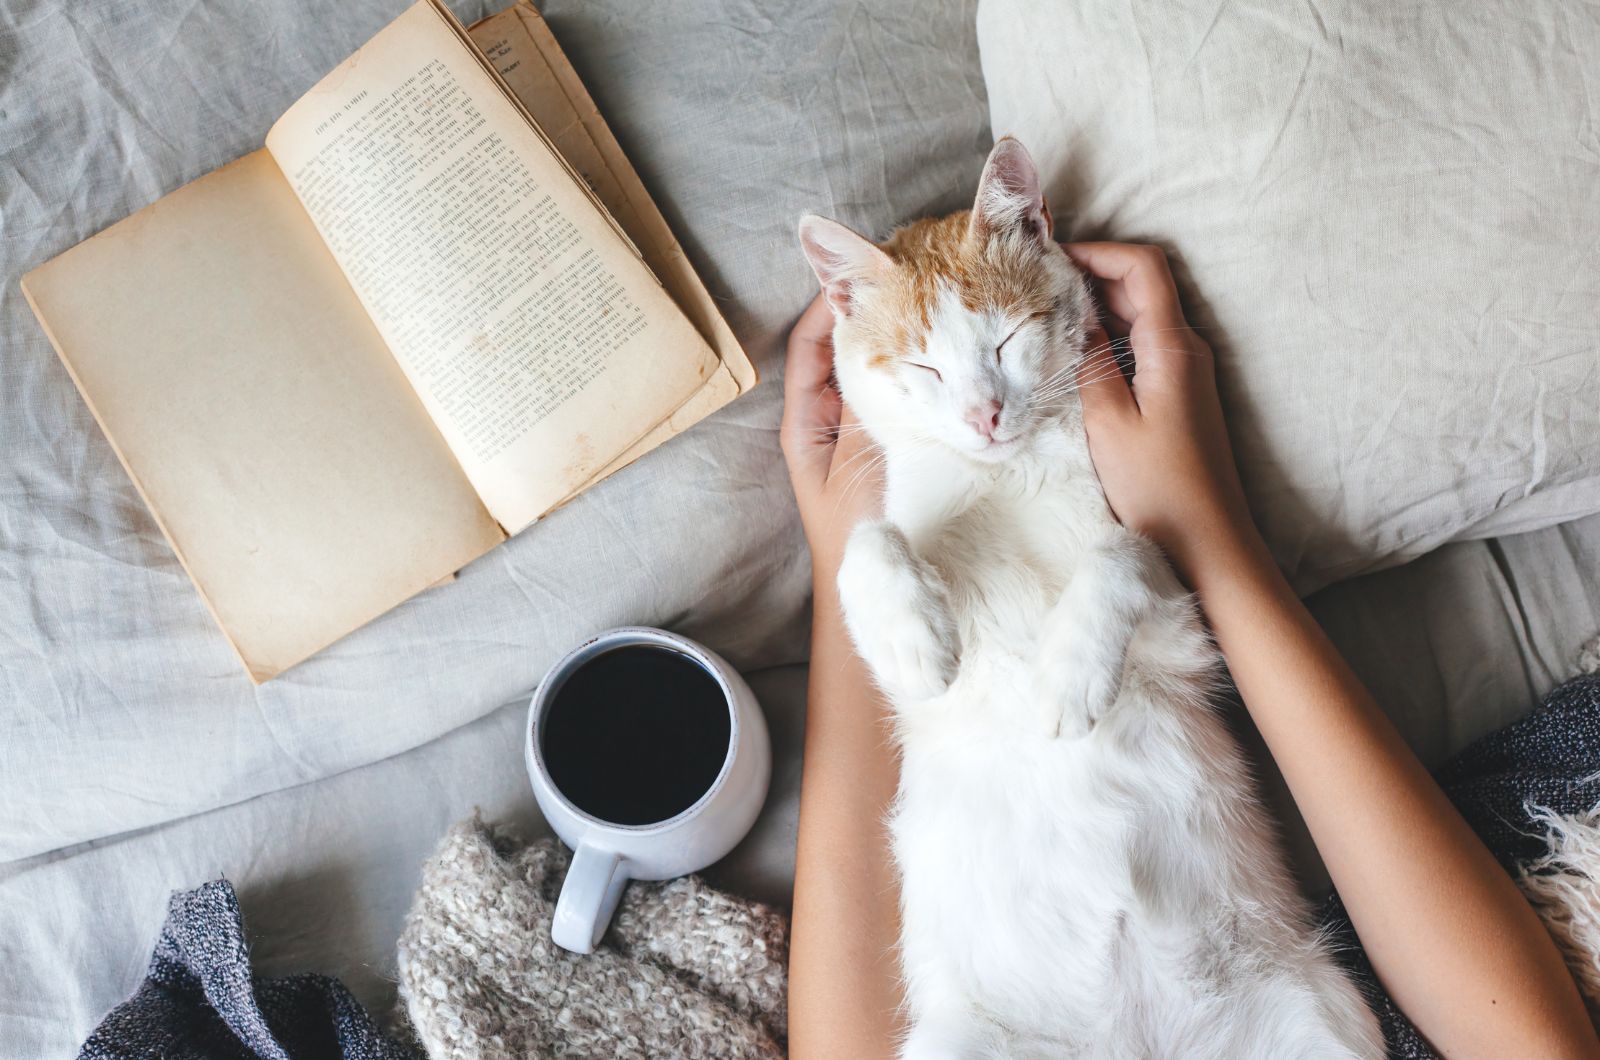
{"x": 956, "y": 326}
{"x": 936, "y": 258}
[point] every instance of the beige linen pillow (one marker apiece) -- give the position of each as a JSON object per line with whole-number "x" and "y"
{"x": 1386, "y": 218}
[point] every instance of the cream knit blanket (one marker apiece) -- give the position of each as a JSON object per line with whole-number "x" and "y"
{"x": 685, "y": 971}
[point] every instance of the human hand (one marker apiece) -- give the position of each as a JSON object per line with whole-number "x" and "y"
{"x": 1159, "y": 444}
{"x": 833, "y": 466}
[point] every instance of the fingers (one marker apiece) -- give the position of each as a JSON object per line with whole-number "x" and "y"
{"x": 810, "y": 404}
{"x": 1136, "y": 281}
{"x": 810, "y": 361}
{"x": 1137, "y": 284}
{"x": 1101, "y": 386}
{"x": 853, "y": 439}
{"x": 855, "y": 472}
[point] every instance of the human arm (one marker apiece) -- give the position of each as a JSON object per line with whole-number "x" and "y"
{"x": 844, "y": 988}
{"x": 1452, "y": 939}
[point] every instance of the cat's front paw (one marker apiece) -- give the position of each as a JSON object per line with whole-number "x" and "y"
{"x": 1074, "y": 691}
{"x": 898, "y": 612}
{"x": 914, "y": 661}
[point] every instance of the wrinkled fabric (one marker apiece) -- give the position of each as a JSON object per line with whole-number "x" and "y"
{"x": 1384, "y": 216}
{"x": 200, "y": 1001}
{"x": 1455, "y": 645}
{"x": 121, "y": 705}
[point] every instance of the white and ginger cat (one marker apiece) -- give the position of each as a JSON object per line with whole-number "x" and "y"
{"x": 1085, "y": 869}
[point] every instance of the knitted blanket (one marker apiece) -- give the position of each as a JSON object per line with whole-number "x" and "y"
{"x": 685, "y": 971}
{"x": 200, "y": 1002}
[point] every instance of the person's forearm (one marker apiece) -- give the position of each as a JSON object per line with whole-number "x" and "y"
{"x": 844, "y": 987}
{"x": 1451, "y": 937}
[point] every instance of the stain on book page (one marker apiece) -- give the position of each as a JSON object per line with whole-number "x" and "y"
{"x": 580, "y": 463}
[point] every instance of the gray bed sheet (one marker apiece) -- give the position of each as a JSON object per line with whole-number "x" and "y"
{"x": 1455, "y": 645}
{"x": 121, "y": 705}
{"x": 134, "y": 757}
{"x": 133, "y": 751}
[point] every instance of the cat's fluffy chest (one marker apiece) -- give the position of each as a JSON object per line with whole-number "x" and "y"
{"x": 1005, "y": 540}
{"x": 1041, "y": 507}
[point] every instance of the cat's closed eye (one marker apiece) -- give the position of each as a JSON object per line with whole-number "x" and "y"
{"x": 927, "y": 368}
{"x": 1003, "y": 342}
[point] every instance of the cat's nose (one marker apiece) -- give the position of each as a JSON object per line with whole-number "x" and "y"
{"x": 985, "y": 418}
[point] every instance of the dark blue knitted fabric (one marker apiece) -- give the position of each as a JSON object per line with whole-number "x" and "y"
{"x": 199, "y": 1000}
{"x": 1549, "y": 759}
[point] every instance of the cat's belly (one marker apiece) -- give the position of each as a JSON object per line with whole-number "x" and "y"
{"x": 1013, "y": 860}
{"x": 1065, "y": 884}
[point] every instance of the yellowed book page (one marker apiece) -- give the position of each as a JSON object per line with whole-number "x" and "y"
{"x": 524, "y": 51}
{"x": 261, "y": 417}
{"x": 539, "y": 342}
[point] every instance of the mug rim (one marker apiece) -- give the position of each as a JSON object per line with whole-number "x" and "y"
{"x": 564, "y": 667}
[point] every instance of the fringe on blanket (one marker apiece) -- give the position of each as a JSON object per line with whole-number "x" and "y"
{"x": 1561, "y": 885}
{"x": 1561, "y": 882}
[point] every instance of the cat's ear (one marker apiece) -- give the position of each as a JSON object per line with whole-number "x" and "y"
{"x": 1009, "y": 196}
{"x": 843, "y": 261}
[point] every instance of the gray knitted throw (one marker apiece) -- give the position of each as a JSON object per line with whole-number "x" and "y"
{"x": 685, "y": 971}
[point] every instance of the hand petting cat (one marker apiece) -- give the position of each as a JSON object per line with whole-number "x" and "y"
{"x": 1159, "y": 443}
{"x": 833, "y": 465}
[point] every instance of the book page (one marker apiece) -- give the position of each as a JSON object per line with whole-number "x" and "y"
{"x": 521, "y": 47}
{"x": 537, "y": 339}
{"x": 260, "y": 414}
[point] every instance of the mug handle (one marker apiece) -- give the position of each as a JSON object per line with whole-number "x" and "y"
{"x": 589, "y": 897}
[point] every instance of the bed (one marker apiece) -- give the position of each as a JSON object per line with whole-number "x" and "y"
{"x": 136, "y": 759}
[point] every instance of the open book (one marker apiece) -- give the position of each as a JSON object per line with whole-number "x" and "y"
{"x": 438, "y": 304}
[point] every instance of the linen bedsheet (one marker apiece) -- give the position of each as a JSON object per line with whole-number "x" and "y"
{"x": 132, "y": 749}
{"x": 121, "y": 706}
{"x": 135, "y": 758}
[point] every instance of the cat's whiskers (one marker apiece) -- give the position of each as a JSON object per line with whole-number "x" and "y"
{"x": 877, "y": 459}
{"x": 860, "y": 476}
{"x": 1068, "y": 379}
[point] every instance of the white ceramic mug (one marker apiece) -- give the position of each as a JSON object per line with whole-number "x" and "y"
{"x": 607, "y": 855}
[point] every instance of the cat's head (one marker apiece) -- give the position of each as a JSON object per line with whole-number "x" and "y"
{"x": 963, "y": 330}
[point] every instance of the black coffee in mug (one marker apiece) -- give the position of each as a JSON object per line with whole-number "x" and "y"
{"x": 636, "y": 734}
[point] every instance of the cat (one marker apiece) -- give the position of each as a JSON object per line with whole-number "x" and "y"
{"x": 1084, "y": 867}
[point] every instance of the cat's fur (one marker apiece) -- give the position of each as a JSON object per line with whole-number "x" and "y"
{"x": 1085, "y": 869}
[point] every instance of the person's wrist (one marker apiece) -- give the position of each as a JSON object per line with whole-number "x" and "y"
{"x": 827, "y": 536}
{"x": 1211, "y": 538}
{"x": 827, "y": 552}
{"x": 1224, "y": 551}
{"x": 825, "y": 569}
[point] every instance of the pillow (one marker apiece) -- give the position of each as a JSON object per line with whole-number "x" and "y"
{"x": 1385, "y": 217}
{"x": 124, "y": 705}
